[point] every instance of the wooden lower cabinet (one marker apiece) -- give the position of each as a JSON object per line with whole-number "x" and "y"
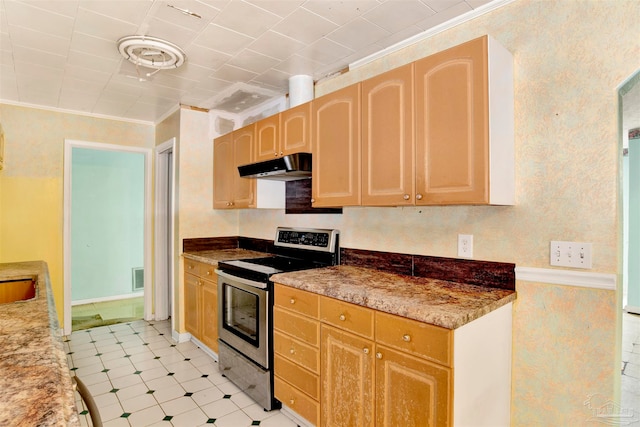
{"x": 201, "y": 302}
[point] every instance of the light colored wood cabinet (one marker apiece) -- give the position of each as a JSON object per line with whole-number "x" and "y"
{"x": 284, "y": 133}
{"x": 336, "y": 148}
{"x": 348, "y": 395}
{"x": 201, "y": 302}
{"x": 411, "y": 392}
{"x": 388, "y": 176}
{"x": 464, "y": 125}
{"x": 230, "y": 151}
{"x": 297, "y": 351}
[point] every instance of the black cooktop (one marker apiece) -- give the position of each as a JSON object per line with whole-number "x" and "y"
{"x": 260, "y": 269}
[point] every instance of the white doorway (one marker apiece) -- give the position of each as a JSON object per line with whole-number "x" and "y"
{"x": 105, "y": 260}
{"x": 164, "y": 230}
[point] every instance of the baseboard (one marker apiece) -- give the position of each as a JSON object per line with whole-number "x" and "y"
{"x": 111, "y": 298}
{"x": 293, "y": 416}
{"x": 567, "y": 277}
{"x": 204, "y": 348}
{"x": 178, "y": 337}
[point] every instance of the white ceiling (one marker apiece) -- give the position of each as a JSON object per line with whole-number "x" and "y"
{"x": 62, "y": 53}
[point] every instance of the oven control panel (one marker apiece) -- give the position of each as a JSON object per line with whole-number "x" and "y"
{"x": 317, "y": 239}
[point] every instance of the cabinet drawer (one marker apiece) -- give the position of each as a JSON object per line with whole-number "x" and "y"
{"x": 207, "y": 271}
{"x": 296, "y": 351}
{"x": 297, "y": 376}
{"x": 293, "y": 299}
{"x": 300, "y": 327}
{"x": 297, "y": 401}
{"x": 347, "y": 316}
{"x": 420, "y": 339}
{"x": 191, "y": 267}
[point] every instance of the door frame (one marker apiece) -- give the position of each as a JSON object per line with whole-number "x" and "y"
{"x": 69, "y": 144}
{"x": 164, "y": 243}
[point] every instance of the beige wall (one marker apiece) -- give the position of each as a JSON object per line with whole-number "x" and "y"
{"x": 570, "y": 56}
{"x": 31, "y": 183}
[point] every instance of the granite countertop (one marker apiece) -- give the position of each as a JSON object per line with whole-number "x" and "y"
{"x": 437, "y": 302}
{"x": 213, "y": 256}
{"x": 35, "y": 384}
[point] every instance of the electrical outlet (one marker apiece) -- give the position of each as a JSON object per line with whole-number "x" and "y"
{"x": 570, "y": 254}
{"x": 465, "y": 245}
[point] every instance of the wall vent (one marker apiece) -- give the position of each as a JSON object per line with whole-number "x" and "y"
{"x": 138, "y": 279}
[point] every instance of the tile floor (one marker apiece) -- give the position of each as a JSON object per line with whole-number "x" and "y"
{"x": 129, "y": 308}
{"x": 139, "y": 376}
{"x": 630, "y": 396}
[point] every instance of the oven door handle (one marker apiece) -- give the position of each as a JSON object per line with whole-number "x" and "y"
{"x": 242, "y": 280}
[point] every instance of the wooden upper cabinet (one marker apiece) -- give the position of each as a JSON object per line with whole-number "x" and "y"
{"x": 229, "y": 151}
{"x": 267, "y": 138}
{"x": 295, "y": 129}
{"x": 464, "y": 125}
{"x": 336, "y": 148}
{"x": 387, "y": 139}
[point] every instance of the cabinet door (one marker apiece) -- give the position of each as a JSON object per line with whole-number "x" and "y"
{"x": 295, "y": 130}
{"x": 223, "y": 171}
{"x": 387, "y": 139}
{"x": 209, "y": 315}
{"x": 192, "y": 304}
{"x": 347, "y": 396}
{"x": 336, "y": 148}
{"x": 451, "y": 126}
{"x": 267, "y": 139}
{"x": 243, "y": 145}
{"x": 411, "y": 392}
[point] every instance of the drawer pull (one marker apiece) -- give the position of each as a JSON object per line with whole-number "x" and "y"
{"x": 406, "y": 197}
{"x": 208, "y": 273}
{"x": 419, "y": 196}
{"x": 365, "y": 350}
{"x": 292, "y": 401}
{"x": 378, "y": 355}
{"x": 190, "y": 266}
{"x": 292, "y": 350}
{"x": 342, "y": 317}
{"x": 406, "y": 338}
{"x": 292, "y": 300}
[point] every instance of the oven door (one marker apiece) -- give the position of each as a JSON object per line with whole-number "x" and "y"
{"x": 242, "y": 316}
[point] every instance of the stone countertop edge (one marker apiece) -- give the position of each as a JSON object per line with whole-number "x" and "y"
{"x": 213, "y": 256}
{"x": 437, "y": 302}
{"x": 35, "y": 381}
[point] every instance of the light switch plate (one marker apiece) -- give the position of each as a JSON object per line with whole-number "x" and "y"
{"x": 570, "y": 254}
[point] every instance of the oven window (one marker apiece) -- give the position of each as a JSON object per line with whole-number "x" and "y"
{"x": 241, "y": 313}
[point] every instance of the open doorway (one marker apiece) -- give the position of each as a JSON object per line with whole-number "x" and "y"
{"x": 629, "y": 95}
{"x": 106, "y": 234}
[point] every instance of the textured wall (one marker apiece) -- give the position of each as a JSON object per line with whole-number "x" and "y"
{"x": 570, "y": 57}
{"x": 31, "y": 219}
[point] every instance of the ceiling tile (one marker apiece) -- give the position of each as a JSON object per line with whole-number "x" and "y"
{"x": 298, "y": 65}
{"x": 97, "y": 77}
{"x": 276, "y": 45}
{"x": 212, "y": 84}
{"x": 60, "y": 7}
{"x": 128, "y": 11}
{"x": 97, "y": 25}
{"x": 174, "y": 16}
{"x": 253, "y": 61}
{"x": 25, "y": 37}
{"x": 440, "y": 5}
{"x": 477, "y": 3}
{"x": 274, "y": 78}
{"x": 95, "y": 46}
{"x": 325, "y": 51}
{"x": 399, "y": 36}
{"x": 98, "y": 63}
{"x": 170, "y": 32}
{"x": 444, "y": 15}
{"x": 304, "y": 26}
{"x": 74, "y": 99}
{"x": 279, "y": 7}
{"x": 358, "y": 34}
{"x": 222, "y": 39}
{"x": 395, "y": 15}
{"x": 204, "y": 57}
{"x": 246, "y": 18}
{"x": 230, "y": 73}
{"x": 37, "y": 19}
{"x": 339, "y": 11}
{"x": 38, "y": 57}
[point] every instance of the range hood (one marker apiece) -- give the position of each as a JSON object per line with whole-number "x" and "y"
{"x": 287, "y": 168}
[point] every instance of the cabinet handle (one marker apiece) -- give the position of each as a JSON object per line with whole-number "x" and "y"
{"x": 365, "y": 350}
{"x": 208, "y": 273}
{"x": 292, "y": 350}
{"x": 313, "y": 200}
{"x": 281, "y": 153}
{"x": 378, "y": 355}
{"x": 419, "y": 196}
{"x": 292, "y": 401}
{"x": 406, "y": 338}
{"x": 342, "y": 317}
{"x": 406, "y": 197}
{"x": 190, "y": 266}
{"x": 292, "y": 300}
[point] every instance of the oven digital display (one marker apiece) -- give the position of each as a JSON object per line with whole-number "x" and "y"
{"x": 241, "y": 313}
{"x": 304, "y": 238}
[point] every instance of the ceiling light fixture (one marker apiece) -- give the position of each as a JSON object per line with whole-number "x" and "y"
{"x": 151, "y": 52}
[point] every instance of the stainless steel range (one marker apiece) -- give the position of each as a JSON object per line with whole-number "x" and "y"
{"x": 245, "y": 306}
